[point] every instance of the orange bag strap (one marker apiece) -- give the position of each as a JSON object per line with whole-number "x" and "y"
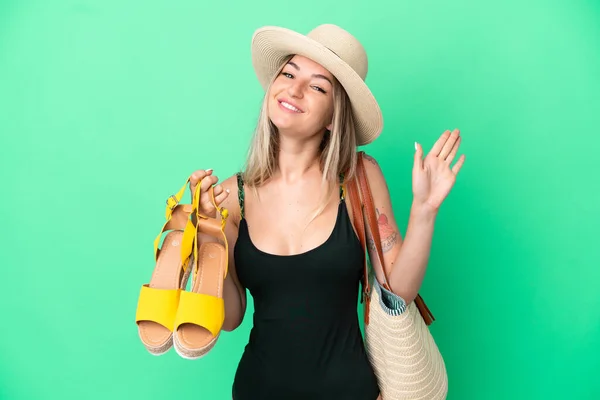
{"x": 359, "y": 190}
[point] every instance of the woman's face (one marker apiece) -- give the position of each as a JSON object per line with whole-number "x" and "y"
{"x": 300, "y": 101}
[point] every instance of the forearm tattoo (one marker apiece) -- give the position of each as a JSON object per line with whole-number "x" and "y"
{"x": 388, "y": 235}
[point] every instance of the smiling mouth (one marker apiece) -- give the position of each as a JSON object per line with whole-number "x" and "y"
{"x": 290, "y": 107}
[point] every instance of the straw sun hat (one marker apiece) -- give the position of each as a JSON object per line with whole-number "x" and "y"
{"x": 337, "y": 51}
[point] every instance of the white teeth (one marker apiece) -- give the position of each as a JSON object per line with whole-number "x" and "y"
{"x": 289, "y": 106}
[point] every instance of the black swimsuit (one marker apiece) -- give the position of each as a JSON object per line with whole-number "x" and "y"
{"x": 306, "y": 342}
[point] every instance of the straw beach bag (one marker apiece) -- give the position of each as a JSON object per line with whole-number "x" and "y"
{"x": 401, "y": 349}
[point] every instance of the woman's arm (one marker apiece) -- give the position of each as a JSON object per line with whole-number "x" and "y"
{"x": 405, "y": 261}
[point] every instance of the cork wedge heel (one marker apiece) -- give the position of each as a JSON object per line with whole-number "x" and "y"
{"x": 201, "y": 310}
{"x": 158, "y": 300}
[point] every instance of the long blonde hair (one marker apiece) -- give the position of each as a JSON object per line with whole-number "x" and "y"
{"x": 337, "y": 150}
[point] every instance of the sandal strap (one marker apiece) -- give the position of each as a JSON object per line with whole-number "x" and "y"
{"x": 190, "y": 234}
{"x": 202, "y": 310}
{"x": 158, "y": 305}
{"x": 174, "y": 200}
{"x": 171, "y": 207}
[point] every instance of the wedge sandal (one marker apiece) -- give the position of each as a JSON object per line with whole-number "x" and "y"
{"x": 201, "y": 310}
{"x": 158, "y": 300}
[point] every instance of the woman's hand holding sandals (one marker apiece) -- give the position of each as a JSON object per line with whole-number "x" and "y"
{"x": 207, "y": 180}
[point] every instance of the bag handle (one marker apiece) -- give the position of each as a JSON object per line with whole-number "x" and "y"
{"x": 359, "y": 223}
{"x": 368, "y": 210}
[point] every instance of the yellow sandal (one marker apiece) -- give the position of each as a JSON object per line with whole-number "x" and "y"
{"x": 159, "y": 299}
{"x": 201, "y": 311}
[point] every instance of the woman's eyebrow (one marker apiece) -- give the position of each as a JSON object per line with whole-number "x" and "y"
{"x": 293, "y": 64}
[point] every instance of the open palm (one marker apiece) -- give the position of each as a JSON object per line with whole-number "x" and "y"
{"x": 433, "y": 177}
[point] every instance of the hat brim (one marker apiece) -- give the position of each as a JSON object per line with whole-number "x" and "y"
{"x": 271, "y": 45}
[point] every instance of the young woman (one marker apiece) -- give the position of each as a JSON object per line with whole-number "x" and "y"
{"x": 290, "y": 232}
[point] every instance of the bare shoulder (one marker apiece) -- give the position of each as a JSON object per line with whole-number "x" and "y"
{"x": 375, "y": 176}
{"x": 230, "y": 183}
{"x": 370, "y": 159}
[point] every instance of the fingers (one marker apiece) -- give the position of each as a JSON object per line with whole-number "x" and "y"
{"x": 206, "y": 199}
{"x": 197, "y": 176}
{"x": 456, "y": 168}
{"x": 217, "y": 190}
{"x": 445, "y": 144}
{"x": 418, "y": 156}
{"x": 220, "y": 194}
{"x": 439, "y": 144}
{"x": 207, "y": 182}
{"x": 449, "y": 144}
{"x": 453, "y": 151}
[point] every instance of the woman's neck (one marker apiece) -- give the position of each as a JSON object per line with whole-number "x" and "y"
{"x": 297, "y": 159}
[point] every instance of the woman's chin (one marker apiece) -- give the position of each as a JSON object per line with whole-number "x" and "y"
{"x": 284, "y": 124}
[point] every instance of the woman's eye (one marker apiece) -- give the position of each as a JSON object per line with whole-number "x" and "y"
{"x": 319, "y": 89}
{"x": 287, "y": 74}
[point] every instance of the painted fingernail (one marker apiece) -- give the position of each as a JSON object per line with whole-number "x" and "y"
{"x": 227, "y": 190}
{"x": 416, "y": 146}
{"x": 209, "y": 170}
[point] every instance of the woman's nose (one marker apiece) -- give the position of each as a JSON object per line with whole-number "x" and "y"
{"x": 295, "y": 90}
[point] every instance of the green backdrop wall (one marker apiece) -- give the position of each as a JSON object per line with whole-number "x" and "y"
{"x": 107, "y": 106}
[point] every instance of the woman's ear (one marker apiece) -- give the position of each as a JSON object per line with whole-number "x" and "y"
{"x": 328, "y": 127}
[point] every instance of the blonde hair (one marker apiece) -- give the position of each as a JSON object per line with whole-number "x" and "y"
{"x": 337, "y": 150}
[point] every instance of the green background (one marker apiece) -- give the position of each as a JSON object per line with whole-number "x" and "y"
{"x": 107, "y": 106}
